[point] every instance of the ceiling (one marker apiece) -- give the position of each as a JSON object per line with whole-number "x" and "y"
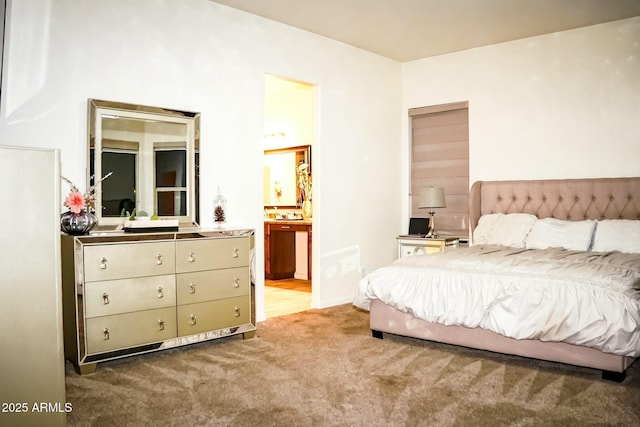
{"x": 406, "y": 30}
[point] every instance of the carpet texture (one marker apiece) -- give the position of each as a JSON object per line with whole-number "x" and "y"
{"x": 323, "y": 368}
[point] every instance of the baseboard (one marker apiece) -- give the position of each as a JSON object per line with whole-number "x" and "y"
{"x": 334, "y": 302}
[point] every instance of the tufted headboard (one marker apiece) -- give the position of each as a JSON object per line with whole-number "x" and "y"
{"x": 569, "y": 199}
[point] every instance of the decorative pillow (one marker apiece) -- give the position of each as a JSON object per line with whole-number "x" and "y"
{"x": 484, "y": 230}
{"x": 622, "y": 235}
{"x": 557, "y": 233}
{"x": 503, "y": 229}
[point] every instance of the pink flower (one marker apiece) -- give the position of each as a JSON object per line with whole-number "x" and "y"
{"x": 74, "y": 201}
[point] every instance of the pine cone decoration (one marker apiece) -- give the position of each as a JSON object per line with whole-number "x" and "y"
{"x": 218, "y": 213}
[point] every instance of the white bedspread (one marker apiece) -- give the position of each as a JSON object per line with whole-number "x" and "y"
{"x": 583, "y": 298}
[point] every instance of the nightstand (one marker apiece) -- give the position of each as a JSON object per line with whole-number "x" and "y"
{"x": 414, "y": 245}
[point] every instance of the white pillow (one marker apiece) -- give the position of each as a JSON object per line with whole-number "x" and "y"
{"x": 503, "y": 229}
{"x": 621, "y": 235}
{"x": 557, "y": 233}
{"x": 483, "y": 232}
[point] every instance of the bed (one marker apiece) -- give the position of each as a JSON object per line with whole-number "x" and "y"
{"x": 552, "y": 273}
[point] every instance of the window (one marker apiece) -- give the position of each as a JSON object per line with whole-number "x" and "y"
{"x": 118, "y": 193}
{"x": 440, "y": 158}
{"x": 171, "y": 182}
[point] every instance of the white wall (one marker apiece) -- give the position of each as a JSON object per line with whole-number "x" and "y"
{"x": 563, "y": 105}
{"x": 560, "y": 105}
{"x": 288, "y": 113}
{"x": 200, "y": 56}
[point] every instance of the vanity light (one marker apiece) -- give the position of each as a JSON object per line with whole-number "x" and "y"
{"x": 279, "y": 135}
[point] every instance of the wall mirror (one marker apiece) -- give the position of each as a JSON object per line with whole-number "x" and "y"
{"x": 154, "y": 156}
{"x": 280, "y": 175}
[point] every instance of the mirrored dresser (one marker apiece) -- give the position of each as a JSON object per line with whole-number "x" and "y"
{"x": 127, "y": 294}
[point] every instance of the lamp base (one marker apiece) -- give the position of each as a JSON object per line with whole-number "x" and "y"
{"x": 432, "y": 226}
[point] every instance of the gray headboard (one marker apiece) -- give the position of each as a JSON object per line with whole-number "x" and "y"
{"x": 568, "y": 199}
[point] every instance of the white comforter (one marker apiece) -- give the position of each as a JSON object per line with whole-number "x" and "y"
{"x": 584, "y": 298}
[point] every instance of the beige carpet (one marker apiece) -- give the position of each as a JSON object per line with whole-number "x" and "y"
{"x": 322, "y": 368}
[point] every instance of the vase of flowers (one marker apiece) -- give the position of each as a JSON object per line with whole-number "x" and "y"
{"x": 79, "y": 219}
{"x": 78, "y": 224}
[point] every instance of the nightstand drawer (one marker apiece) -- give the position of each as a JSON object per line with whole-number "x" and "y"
{"x": 122, "y": 296}
{"x": 408, "y": 250}
{"x": 108, "y": 262}
{"x": 109, "y": 333}
{"x": 211, "y": 285}
{"x": 213, "y": 315}
{"x": 408, "y": 246}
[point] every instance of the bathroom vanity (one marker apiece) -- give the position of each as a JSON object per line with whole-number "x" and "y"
{"x": 283, "y": 246}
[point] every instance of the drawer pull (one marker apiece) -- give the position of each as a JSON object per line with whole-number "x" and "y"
{"x": 192, "y": 288}
{"x": 236, "y": 252}
{"x": 192, "y": 257}
{"x": 193, "y": 320}
{"x": 105, "y": 298}
{"x": 160, "y": 325}
{"x": 236, "y": 282}
{"x": 159, "y": 259}
{"x": 103, "y": 263}
{"x": 106, "y": 334}
{"x": 160, "y": 293}
{"x": 237, "y": 311}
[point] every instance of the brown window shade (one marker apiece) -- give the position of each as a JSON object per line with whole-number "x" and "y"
{"x": 440, "y": 158}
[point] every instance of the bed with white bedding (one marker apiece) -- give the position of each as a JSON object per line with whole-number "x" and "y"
{"x": 553, "y": 273}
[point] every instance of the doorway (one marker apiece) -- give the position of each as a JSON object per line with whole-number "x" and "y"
{"x": 288, "y": 127}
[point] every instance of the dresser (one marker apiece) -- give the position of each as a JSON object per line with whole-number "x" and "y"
{"x": 129, "y": 294}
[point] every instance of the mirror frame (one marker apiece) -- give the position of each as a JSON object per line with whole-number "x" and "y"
{"x": 303, "y": 152}
{"x": 99, "y": 109}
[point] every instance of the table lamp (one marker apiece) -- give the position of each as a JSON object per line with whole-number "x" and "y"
{"x": 431, "y": 198}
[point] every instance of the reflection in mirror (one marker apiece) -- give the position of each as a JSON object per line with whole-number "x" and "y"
{"x": 280, "y": 175}
{"x": 153, "y": 154}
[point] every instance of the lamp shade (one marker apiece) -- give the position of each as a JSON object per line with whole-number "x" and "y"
{"x": 432, "y": 197}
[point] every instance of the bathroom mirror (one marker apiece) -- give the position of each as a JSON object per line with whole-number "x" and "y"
{"x": 280, "y": 175}
{"x": 154, "y": 156}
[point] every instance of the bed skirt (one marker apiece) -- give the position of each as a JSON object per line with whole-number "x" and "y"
{"x": 384, "y": 318}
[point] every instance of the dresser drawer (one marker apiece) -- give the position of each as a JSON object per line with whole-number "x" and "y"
{"x": 211, "y": 254}
{"x": 211, "y": 285}
{"x": 213, "y": 315}
{"x": 130, "y": 329}
{"x": 122, "y": 296}
{"x": 119, "y": 261}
